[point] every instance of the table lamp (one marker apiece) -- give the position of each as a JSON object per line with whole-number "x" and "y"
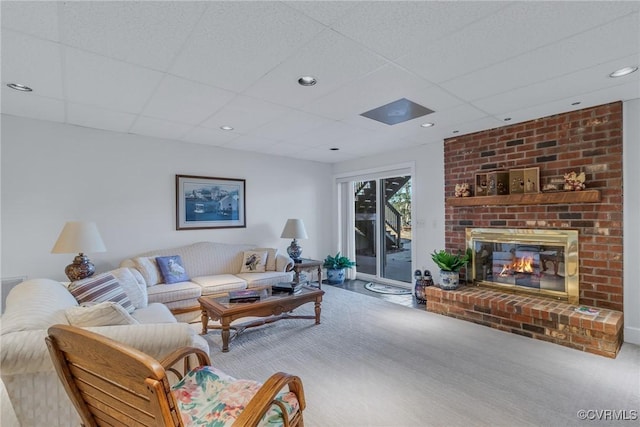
{"x": 80, "y": 237}
{"x": 294, "y": 229}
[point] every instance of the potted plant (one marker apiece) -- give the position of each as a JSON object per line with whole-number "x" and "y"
{"x": 450, "y": 265}
{"x": 336, "y": 266}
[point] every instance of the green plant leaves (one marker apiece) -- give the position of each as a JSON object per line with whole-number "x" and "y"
{"x": 337, "y": 262}
{"x": 448, "y": 261}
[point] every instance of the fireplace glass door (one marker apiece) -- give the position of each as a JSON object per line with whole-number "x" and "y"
{"x": 526, "y": 260}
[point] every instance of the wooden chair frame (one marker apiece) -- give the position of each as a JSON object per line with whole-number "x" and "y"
{"x": 113, "y": 384}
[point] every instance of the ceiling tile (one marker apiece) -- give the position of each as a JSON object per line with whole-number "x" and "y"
{"x": 258, "y": 35}
{"x": 567, "y": 86}
{"x": 628, "y": 90}
{"x": 159, "y": 128}
{"x": 394, "y": 31}
{"x": 95, "y": 80}
{"x": 99, "y": 118}
{"x": 510, "y": 32}
{"x": 317, "y": 58}
{"x": 184, "y": 101}
{"x": 28, "y": 104}
{"x": 149, "y": 33}
{"x": 325, "y": 12}
{"x": 36, "y": 18}
{"x": 245, "y": 114}
{"x": 32, "y": 62}
{"x": 581, "y": 51}
{"x": 201, "y": 135}
{"x": 289, "y": 126}
{"x": 388, "y": 83}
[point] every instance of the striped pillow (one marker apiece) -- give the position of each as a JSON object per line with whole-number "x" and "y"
{"x": 100, "y": 288}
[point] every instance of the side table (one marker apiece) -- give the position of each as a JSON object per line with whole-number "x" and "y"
{"x": 308, "y": 265}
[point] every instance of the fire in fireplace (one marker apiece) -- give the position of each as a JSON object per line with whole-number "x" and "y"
{"x": 543, "y": 262}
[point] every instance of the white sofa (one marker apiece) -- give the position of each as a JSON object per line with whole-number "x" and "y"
{"x": 31, "y": 383}
{"x": 213, "y": 268}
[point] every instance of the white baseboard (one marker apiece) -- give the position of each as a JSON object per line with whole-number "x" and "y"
{"x": 632, "y": 335}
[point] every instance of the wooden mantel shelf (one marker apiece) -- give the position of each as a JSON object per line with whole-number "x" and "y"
{"x": 559, "y": 197}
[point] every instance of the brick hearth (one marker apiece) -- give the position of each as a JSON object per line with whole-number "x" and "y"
{"x": 540, "y": 318}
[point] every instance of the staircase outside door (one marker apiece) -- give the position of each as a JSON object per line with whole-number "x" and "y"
{"x": 383, "y": 228}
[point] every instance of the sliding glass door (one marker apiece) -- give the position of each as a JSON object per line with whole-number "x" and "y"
{"x": 382, "y": 228}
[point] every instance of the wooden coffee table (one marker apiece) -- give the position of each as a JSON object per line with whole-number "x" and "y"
{"x": 270, "y": 308}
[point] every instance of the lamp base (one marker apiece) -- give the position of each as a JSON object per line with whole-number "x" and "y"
{"x": 294, "y": 251}
{"x": 81, "y": 268}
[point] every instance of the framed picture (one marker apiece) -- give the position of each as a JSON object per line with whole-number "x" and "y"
{"x": 207, "y": 202}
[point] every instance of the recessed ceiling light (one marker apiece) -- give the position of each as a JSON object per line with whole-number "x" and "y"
{"x": 226, "y": 128}
{"x": 623, "y": 72}
{"x": 18, "y": 86}
{"x": 576, "y": 103}
{"x": 334, "y": 149}
{"x": 307, "y": 81}
{"x": 427, "y": 125}
{"x": 507, "y": 119}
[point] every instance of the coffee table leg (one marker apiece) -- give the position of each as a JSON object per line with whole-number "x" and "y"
{"x": 204, "y": 317}
{"x": 317, "y": 309}
{"x": 225, "y": 335}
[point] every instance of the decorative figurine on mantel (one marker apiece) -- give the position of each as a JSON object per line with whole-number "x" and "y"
{"x": 462, "y": 190}
{"x": 573, "y": 181}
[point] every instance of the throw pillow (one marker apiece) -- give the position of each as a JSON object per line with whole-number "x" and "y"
{"x": 102, "y": 314}
{"x": 253, "y": 262}
{"x": 272, "y": 254}
{"x": 100, "y": 288}
{"x": 172, "y": 269}
{"x": 148, "y": 267}
{"x": 135, "y": 290}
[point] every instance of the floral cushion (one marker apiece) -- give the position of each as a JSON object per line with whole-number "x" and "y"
{"x": 210, "y": 398}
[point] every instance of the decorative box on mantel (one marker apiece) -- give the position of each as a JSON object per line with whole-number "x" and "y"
{"x": 524, "y": 181}
{"x": 494, "y": 183}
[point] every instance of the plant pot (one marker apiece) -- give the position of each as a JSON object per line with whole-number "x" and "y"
{"x": 449, "y": 280}
{"x": 335, "y": 276}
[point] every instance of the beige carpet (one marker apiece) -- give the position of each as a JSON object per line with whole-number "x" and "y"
{"x": 374, "y": 363}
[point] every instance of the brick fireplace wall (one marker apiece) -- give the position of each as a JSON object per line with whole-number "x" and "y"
{"x": 588, "y": 140}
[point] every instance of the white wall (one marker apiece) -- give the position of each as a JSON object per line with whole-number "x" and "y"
{"x": 427, "y": 198}
{"x": 631, "y": 195}
{"x": 53, "y": 173}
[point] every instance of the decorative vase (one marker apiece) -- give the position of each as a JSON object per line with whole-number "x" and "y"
{"x": 449, "y": 280}
{"x": 335, "y": 276}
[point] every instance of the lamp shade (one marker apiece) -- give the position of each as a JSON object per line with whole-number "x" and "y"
{"x": 79, "y": 237}
{"x": 294, "y": 229}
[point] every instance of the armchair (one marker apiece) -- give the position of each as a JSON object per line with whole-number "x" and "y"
{"x": 111, "y": 383}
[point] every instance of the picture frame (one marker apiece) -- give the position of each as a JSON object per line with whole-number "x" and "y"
{"x": 210, "y": 202}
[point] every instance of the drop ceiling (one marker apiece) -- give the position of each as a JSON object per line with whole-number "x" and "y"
{"x": 181, "y": 70}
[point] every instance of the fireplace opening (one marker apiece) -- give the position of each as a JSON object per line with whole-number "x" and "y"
{"x": 543, "y": 262}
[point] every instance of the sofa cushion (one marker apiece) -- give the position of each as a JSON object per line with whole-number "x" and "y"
{"x": 154, "y": 313}
{"x": 208, "y": 396}
{"x": 99, "y": 288}
{"x": 272, "y": 254}
{"x": 164, "y": 293}
{"x": 220, "y": 283}
{"x": 134, "y": 287}
{"x": 148, "y": 267}
{"x": 172, "y": 269}
{"x": 101, "y": 314}
{"x": 253, "y": 261}
{"x": 47, "y": 301}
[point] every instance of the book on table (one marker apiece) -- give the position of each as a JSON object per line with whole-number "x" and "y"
{"x": 246, "y": 295}
{"x": 287, "y": 287}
